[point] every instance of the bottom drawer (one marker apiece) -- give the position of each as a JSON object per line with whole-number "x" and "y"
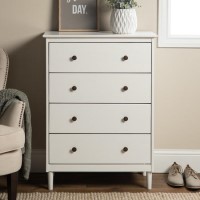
{"x": 100, "y": 149}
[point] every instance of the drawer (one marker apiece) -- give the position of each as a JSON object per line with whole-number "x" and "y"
{"x": 100, "y": 149}
{"x": 100, "y": 57}
{"x": 100, "y": 118}
{"x": 99, "y": 88}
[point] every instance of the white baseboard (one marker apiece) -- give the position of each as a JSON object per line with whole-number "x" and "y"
{"x": 162, "y": 159}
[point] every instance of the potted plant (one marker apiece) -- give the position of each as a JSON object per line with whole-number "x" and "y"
{"x": 123, "y": 17}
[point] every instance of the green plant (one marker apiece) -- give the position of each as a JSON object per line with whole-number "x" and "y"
{"x": 122, "y": 4}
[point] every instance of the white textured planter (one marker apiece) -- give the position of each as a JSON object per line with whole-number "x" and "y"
{"x": 123, "y": 21}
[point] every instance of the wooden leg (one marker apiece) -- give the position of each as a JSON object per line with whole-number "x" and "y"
{"x": 12, "y": 180}
{"x": 149, "y": 180}
{"x": 50, "y": 180}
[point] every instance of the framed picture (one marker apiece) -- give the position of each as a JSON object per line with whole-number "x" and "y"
{"x": 78, "y": 15}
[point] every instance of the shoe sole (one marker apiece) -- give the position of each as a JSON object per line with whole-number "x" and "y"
{"x": 173, "y": 185}
{"x": 195, "y": 188}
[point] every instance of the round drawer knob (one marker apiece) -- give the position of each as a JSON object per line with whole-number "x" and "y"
{"x": 125, "y": 88}
{"x": 125, "y": 149}
{"x": 74, "y": 88}
{"x": 74, "y": 119}
{"x": 125, "y": 119}
{"x": 125, "y": 58}
{"x": 74, "y": 57}
{"x": 74, "y": 149}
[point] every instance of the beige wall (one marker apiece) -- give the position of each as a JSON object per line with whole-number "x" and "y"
{"x": 177, "y": 81}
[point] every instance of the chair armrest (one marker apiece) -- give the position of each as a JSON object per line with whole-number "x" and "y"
{"x": 13, "y": 115}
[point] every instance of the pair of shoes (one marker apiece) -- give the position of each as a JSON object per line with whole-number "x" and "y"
{"x": 176, "y": 177}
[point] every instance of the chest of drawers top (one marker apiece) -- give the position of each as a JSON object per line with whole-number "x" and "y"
{"x": 100, "y": 35}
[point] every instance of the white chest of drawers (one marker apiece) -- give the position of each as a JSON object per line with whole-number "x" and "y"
{"x": 99, "y": 103}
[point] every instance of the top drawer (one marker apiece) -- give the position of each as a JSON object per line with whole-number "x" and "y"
{"x": 100, "y": 57}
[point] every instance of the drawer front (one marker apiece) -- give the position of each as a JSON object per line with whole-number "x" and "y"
{"x": 100, "y": 149}
{"x": 100, "y": 88}
{"x": 100, "y": 118}
{"x": 100, "y": 57}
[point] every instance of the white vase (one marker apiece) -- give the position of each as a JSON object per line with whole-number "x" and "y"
{"x": 123, "y": 21}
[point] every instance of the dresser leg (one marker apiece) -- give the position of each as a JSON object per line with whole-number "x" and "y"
{"x": 149, "y": 180}
{"x": 144, "y": 173}
{"x": 50, "y": 180}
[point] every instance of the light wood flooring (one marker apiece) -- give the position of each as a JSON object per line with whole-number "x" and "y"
{"x": 94, "y": 182}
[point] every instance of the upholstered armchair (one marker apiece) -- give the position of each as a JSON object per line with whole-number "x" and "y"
{"x": 12, "y": 136}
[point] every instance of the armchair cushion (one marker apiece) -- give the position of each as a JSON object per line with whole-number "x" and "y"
{"x": 11, "y": 139}
{"x": 10, "y": 162}
{"x": 13, "y": 114}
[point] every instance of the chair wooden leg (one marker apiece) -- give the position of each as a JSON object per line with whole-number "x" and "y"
{"x": 12, "y": 180}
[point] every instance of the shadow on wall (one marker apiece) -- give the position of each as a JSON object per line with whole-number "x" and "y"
{"x": 104, "y": 16}
{"x": 27, "y": 73}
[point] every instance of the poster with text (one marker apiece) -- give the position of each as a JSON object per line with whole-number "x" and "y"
{"x": 78, "y": 15}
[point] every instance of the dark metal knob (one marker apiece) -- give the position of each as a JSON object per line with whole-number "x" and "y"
{"x": 74, "y": 57}
{"x": 125, "y": 88}
{"x": 74, "y": 88}
{"x": 125, "y": 58}
{"x": 125, "y": 119}
{"x": 74, "y": 119}
{"x": 125, "y": 149}
{"x": 74, "y": 149}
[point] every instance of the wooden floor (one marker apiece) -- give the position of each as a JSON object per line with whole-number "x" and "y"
{"x": 94, "y": 182}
